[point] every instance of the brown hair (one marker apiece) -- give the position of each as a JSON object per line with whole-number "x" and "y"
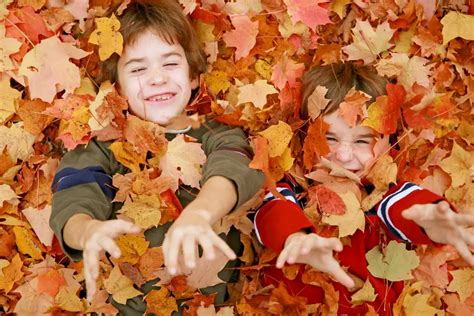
{"x": 166, "y": 19}
{"x": 339, "y": 79}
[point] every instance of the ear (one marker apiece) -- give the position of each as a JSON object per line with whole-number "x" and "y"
{"x": 195, "y": 83}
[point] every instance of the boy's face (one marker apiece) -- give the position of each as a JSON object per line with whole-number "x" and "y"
{"x": 349, "y": 147}
{"x": 155, "y": 77}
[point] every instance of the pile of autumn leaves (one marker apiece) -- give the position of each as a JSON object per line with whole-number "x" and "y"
{"x": 257, "y": 51}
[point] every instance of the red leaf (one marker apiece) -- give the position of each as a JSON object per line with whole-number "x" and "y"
{"x": 328, "y": 200}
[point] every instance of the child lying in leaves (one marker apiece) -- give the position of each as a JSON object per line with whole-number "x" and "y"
{"x": 407, "y": 213}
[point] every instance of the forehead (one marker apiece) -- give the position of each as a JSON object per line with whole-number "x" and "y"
{"x": 150, "y": 43}
{"x": 337, "y": 125}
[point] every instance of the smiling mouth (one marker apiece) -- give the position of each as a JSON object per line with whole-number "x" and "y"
{"x": 161, "y": 97}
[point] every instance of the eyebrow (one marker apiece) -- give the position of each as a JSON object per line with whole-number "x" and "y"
{"x": 140, "y": 60}
{"x": 358, "y": 136}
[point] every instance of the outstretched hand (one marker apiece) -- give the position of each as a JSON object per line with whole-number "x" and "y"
{"x": 316, "y": 251}
{"x": 191, "y": 229}
{"x": 445, "y": 226}
{"x": 99, "y": 237}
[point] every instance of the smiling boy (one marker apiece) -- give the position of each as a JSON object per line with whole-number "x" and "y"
{"x": 157, "y": 72}
{"x": 407, "y": 213}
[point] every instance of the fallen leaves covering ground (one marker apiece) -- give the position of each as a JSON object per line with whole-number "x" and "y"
{"x": 257, "y": 51}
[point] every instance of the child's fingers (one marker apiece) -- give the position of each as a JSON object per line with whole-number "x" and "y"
{"x": 340, "y": 275}
{"x": 109, "y": 245}
{"x": 334, "y": 244}
{"x": 295, "y": 250}
{"x": 464, "y": 219}
{"x": 464, "y": 252}
{"x": 443, "y": 206}
{"x": 207, "y": 246}
{"x": 118, "y": 227}
{"x": 308, "y": 244}
{"x": 283, "y": 257}
{"x": 91, "y": 271}
{"x": 173, "y": 250}
{"x": 189, "y": 251}
{"x": 222, "y": 246}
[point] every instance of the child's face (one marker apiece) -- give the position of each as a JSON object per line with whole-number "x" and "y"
{"x": 349, "y": 147}
{"x": 155, "y": 78}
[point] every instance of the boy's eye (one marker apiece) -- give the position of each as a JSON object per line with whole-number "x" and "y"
{"x": 136, "y": 70}
{"x": 171, "y": 64}
{"x": 331, "y": 138}
{"x": 362, "y": 141}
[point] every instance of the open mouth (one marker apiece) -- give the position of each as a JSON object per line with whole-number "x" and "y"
{"x": 160, "y": 97}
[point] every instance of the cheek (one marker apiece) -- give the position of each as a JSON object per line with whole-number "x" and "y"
{"x": 364, "y": 155}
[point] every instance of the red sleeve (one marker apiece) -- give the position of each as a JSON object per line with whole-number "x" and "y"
{"x": 277, "y": 220}
{"x": 398, "y": 199}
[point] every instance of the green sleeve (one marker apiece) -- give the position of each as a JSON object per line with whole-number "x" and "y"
{"x": 228, "y": 155}
{"x": 87, "y": 197}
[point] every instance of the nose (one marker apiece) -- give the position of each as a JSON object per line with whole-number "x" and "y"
{"x": 344, "y": 152}
{"x": 157, "y": 77}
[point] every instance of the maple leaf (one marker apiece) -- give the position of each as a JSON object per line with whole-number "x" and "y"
{"x": 3, "y": 8}
{"x": 256, "y": 93}
{"x": 368, "y": 42}
{"x": 31, "y": 112}
{"x": 145, "y": 136}
{"x": 27, "y": 243}
{"x": 11, "y": 274}
{"x": 132, "y": 247}
{"x": 353, "y": 107}
{"x": 126, "y": 155}
{"x": 25, "y": 23}
{"x": 454, "y": 25}
{"x": 51, "y": 56}
{"x": 383, "y": 173}
{"x": 351, "y": 220}
{"x": 183, "y": 161}
{"x": 107, "y": 36}
{"x": 462, "y": 283}
{"x": 278, "y": 136}
{"x": 69, "y": 301}
{"x": 217, "y": 81}
{"x": 328, "y": 200}
{"x": 8, "y": 46}
{"x": 418, "y": 305}
{"x": 39, "y": 221}
{"x": 382, "y": 116}
{"x": 244, "y": 37}
{"x": 433, "y": 269}
{"x": 144, "y": 210}
{"x": 317, "y": 102}
{"x": 120, "y": 286}
{"x": 211, "y": 311}
{"x": 286, "y": 71}
{"x": 8, "y": 100}
{"x": 310, "y": 13}
{"x": 17, "y": 141}
{"x": 315, "y": 144}
{"x": 150, "y": 263}
{"x": 407, "y": 70}
{"x": 395, "y": 265}
{"x": 99, "y": 304}
{"x": 160, "y": 302}
{"x": 458, "y": 165}
{"x": 456, "y": 307}
{"x": 7, "y": 195}
{"x": 365, "y": 294}
{"x": 32, "y": 302}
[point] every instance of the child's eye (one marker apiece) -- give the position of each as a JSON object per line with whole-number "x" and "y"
{"x": 171, "y": 64}
{"x": 362, "y": 141}
{"x": 137, "y": 70}
{"x": 331, "y": 138}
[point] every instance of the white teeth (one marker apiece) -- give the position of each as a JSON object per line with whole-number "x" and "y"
{"x": 163, "y": 97}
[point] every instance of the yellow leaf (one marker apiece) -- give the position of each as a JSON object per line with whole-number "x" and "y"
{"x": 132, "y": 247}
{"x": 338, "y": 7}
{"x": 10, "y": 221}
{"x": 107, "y": 36}
{"x": 11, "y": 273}
{"x": 97, "y": 122}
{"x": 35, "y": 4}
{"x": 256, "y": 93}
{"x": 204, "y": 31}
{"x": 383, "y": 173}
{"x": 395, "y": 265}
{"x": 68, "y": 300}
{"x": 405, "y": 40}
{"x": 317, "y": 102}
{"x": 368, "y": 42}
{"x": 19, "y": 142}
{"x": 7, "y": 195}
{"x": 418, "y": 305}
{"x": 365, "y": 294}
{"x": 285, "y": 161}
{"x": 454, "y": 25}
{"x": 125, "y": 154}
{"x": 160, "y": 303}
{"x": 462, "y": 283}
{"x": 27, "y": 244}
{"x": 144, "y": 210}
{"x": 120, "y": 286}
{"x": 183, "y": 161}
{"x": 8, "y": 46}
{"x": 264, "y": 68}
{"x": 458, "y": 165}
{"x": 8, "y": 100}
{"x": 350, "y": 221}
{"x": 217, "y": 81}
{"x": 278, "y": 136}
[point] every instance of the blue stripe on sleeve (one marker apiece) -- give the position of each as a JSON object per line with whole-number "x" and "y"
{"x": 69, "y": 177}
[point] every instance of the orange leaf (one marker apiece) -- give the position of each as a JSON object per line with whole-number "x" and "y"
{"x": 315, "y": 144}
